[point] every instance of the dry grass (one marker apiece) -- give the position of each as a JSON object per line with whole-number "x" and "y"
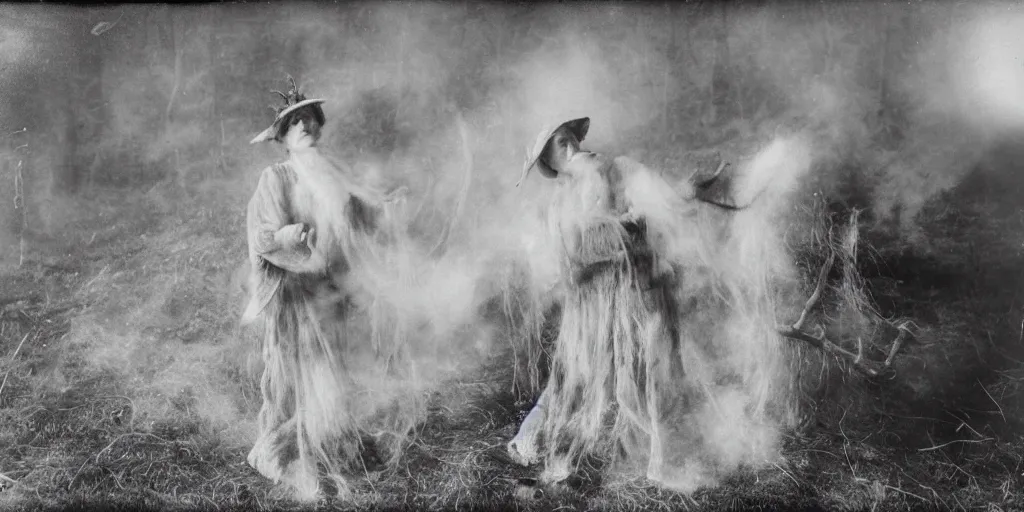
{"x": 78, "y": 432}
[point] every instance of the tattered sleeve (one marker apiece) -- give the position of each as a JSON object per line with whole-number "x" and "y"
{"x": 266, "y": 214}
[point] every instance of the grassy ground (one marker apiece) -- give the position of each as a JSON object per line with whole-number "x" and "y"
{"x": 125, "y": 385}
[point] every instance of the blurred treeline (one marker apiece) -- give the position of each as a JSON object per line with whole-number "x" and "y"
{"x": 902, "y": 105}
{"x": 172, "y": 93}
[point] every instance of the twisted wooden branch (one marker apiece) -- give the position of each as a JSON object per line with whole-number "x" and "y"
{"x": 281, "y": 94}
{"x": 817, "y": 339}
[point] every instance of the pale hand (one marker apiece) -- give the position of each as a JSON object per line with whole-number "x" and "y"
{"x": 293, "y": 236}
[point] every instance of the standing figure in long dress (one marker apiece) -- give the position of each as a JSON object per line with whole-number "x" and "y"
{"x": 612, "y": 308}
{"x": 313, "y": 236}
{"x": 663, "y": 334}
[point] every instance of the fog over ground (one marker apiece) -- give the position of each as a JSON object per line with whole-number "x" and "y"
{"x": 160, "y": 103}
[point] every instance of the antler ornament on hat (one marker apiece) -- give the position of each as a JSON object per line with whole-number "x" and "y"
{"x": 293, "y": 101}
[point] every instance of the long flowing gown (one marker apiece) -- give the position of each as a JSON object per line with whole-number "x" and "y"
{"x": 665, "y": 353}
{"x": 614, "y": 330}
{"x": 324, "y": 331}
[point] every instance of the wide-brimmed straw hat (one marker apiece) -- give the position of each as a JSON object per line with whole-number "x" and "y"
{"x": 271, "y": 132}
{"x": 579, "y": 127}
{"x": 294, "y": 100}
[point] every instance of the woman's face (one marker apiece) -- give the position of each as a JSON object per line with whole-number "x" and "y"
{"x": 560, "y": 150}
{"x": 303, "y": 130}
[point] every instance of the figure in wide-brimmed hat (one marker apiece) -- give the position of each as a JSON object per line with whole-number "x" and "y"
{"x": 561, "y": 138}
{"x": 649, "y": 294}
{"x": 294, "y": 101}
{"x": 314, "y": 237}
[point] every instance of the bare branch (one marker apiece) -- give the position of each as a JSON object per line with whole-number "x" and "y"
{"x": 283, "y": 96}
{"x": 897, "y": 343}
{"x": 813, "y": 300}
{"x": 851, "y": 238}
{"x": 943, "y": 445}
{"x": 11, "y": 364}
{"x": 873, "y": 369}
{"x": 818, "y": 339}
{"x": 19, "y": 200}
{"x": 993, "y": 400}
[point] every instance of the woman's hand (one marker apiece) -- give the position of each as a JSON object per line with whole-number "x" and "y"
{"x": 296, "y": 250}
{"x": 294, "y": 237}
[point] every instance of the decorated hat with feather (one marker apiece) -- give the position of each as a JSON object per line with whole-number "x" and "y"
{"x": 293, "y": 101}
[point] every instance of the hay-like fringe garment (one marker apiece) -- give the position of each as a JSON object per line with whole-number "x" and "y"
{"x": 336, "y": 360}
{"x": 666, "y": 355}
